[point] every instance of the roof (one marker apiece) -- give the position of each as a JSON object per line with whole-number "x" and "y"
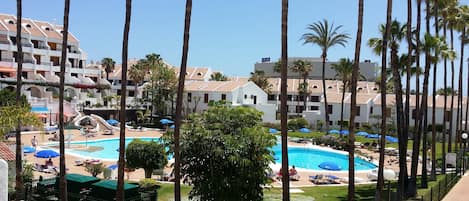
{"x": 6, "y": 153}
{"x": 316, "y": 86}
{"x": 81, "y": 178}
{"x": 112, "y": 184}
{"x": 194, "y": 73}
{"x": 34, "y": 28}
{"x": 213, "y": 86}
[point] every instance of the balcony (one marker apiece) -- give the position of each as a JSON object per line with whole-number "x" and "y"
{"x": 8, "y": 59}
{"x": 4, "y": 42}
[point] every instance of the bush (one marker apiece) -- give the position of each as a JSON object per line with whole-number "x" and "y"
{"x": 297, "y": 123}
{"x": 147, "y": 183}
{"x": 147, "y": 155}
{"x": 271, "y": 125}
{"x": 94, "y": 169}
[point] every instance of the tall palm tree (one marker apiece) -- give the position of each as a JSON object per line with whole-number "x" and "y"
{"x": 19, "y": 187}
{"x": 137, "y": 73}
{"x": 462, "y": 23}
{"x": 120, "y": 196}
{"x": 217, "y": 76}
{"x": 303, "y": 68}
{"x": 283, "y": 102}
{"x": 62, "y": 180}
{"x": 433, "y": 157}
{"x": 325, "y": 37}
{"x": 343, "y": 71}
{"x": 408, "y": 65}
{"x": 384, "y": 45}
{"x": 108, "y": 65}
{"x": 412, "y": 188}
{"x": 182, "y": 76}
{"x": 353, "y": 104}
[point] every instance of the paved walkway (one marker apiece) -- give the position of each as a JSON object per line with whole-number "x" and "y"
{"x": 459, "y": 191}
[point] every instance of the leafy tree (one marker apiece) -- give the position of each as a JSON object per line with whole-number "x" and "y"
{"x": 108, "y": 65}
{"x": 147, "y": 155}
{"x": 217, "y": 76}
{"x": 137, "y": 73}
{"x": 9, "y": 116}
{"x": 8, "y": 98}
{"x": 94, "y": 169}
{"x": 297, "y": 123}
{"x": 325, "y": 36}
{"x": 303, "y": 68}
{"x": 259, "y": 78}
{"x": 343, "y": 71}
{"x": 226, "y": 153}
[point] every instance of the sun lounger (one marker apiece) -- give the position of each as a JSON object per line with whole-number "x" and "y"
{"x": 324, "y": 179}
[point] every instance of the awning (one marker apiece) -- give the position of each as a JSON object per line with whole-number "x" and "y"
{"x": 7, "y": 69}
{"x": 42, "y": 115}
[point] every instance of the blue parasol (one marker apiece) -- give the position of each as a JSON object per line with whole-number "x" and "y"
{"x": 172, "y": 126}
{"x": 305, "y": 130}
{"x": 28, "y": 149}
{"x": 166, "y": 121}
{"x": 334, "y": 131}
{"x": 361, "y": 133}
{"x": 112, "y": 122}
{"x": 344, "y": 132}
{"x": 328, "y": 165}
{"x": 47, "y": 153}
{"x": 273, "y": 130}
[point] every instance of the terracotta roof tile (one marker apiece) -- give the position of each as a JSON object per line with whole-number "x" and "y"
{"x": 6, "y": 153}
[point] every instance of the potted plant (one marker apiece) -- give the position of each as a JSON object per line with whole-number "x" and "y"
{"x": 148, "y": 189}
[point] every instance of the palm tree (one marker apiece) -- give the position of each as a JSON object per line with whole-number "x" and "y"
{"x": 343, "y": 71}
{"x": 462, "y": 23}
{"x": 433, "y": 168}
{"x": 409, "y": 62}
{"x": 19, "y": 187}
{"x": 217, "y": 76}
{"x": 259, "y": 78}
{"x": 283, "y": 102}
{"x": 108, "y": 65}
{"x": 125, "y": 50}
{"x": 353, "y": 104}
{"x": 325, "y": 37}
{"x": 179, "y": 106}
{"x": 303, "y": 68}
{"x": 137, "y": 73}
{"x": 384, "y": 45}
{"x": 62, "y": 180}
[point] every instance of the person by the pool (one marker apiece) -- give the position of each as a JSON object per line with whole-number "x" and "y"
{"x": 34, "y": 142}
{"x": 292, "y": 171}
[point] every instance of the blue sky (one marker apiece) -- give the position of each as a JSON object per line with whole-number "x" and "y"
{"x": 228, "y": 36}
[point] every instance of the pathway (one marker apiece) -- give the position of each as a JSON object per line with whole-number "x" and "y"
{"x": 459, "y": 191}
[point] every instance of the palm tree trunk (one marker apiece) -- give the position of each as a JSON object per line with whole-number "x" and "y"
{"x": 283, "y": 103}
{"x": 384, "y": 113}
{"x": 445, "y": 83}
{"x": 120, "y": 196}
{"x": 424, "y": 107}
{"x": 460, "y": 88}
{"x": 326, "y": 106}
{"x": 412, "y": 189}
{"x": 179, "y": 105}
{"x": 450, "y": 134}
{"x": 19, "y": 187}
{"x": 353, "y": 105}
{"x": 342, "y": 110}
{"x": 62, "y": 180}
{"x": 407, "y": 95}
{"x": 305, "y": 93}
{"x": 433, "y": 168}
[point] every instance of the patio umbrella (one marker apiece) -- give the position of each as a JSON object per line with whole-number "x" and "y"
{"x": 166, "y": 121}
{"x": 305, "y": 130}
{"x": 391, "y": 139}
{"x": 334, "y": 131}
{"x": 375, "y": 136}
{"x": 273, "y": 130}
{"x": 172, "y": 127}
{"x": 112, "y": 121}
{"x": 329, "y": 165}
{"x": 361, "y": 133}
{"x": 344, "y": 132}
{"x": 28, "y": 149}
{"x": 47, "y": 153}
{"x": 112, "y": 167}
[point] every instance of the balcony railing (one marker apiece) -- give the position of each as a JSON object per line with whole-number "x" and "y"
{"x": 4, "y": 42}
{"x": 28, "y": 61}
{"x": 8, "y": 59}
{"x": 42, "y": 47}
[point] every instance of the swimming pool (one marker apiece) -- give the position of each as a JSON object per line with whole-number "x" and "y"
{"x": 301, "y": 157}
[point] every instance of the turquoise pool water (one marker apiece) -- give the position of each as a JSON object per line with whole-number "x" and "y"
{"x": 301, "y": 157}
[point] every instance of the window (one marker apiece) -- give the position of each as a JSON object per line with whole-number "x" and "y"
{"x": 329, "y": 109}
{"x": 301, "y": 98}
{"x": 74, "y": 74}
{"x": 388, "y": 112}
{"x": 11, "y": 22}
{"x": 448, "y": 116}
{"x": 330, "y": 123}
{"x": 299, "y": 109}
{"x": 131, "y": 93}
{"x": 315, "y": 87}
{"x": 371, "y": 110}
{"x": 118, "y": 92}
{"x": 414, "y": 113}
{"x": 25, "y": 75}
{"x": 205, "y": 98}
{"x": 314, "y": 99}
{"x": 245, "y": 96}
{"x": 28, "y": 25}
{"x": 358, "y": 111}
{"x": 357, "y": 125}
{"x": 289, "y": 97}
{"x": 271, "y": 97}
{"x": 314, "y": 108}
{"x": 223, "y": 96}
{"x": 189, "y": 97}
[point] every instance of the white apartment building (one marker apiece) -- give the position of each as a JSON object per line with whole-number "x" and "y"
{"x": 42, "y": 46}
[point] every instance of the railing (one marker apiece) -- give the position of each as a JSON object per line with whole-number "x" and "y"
{"x": 4, "y": 42}
{"x": 8, "y": 59}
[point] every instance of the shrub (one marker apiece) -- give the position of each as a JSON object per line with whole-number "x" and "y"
{"x": 94, "y": 169}
{"x": 297, "y": 123}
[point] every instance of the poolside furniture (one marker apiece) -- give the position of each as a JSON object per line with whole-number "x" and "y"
{"x": 108, "y": 132}
{"x": 79, "y": 162}
{"x": 324, "y": 179}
